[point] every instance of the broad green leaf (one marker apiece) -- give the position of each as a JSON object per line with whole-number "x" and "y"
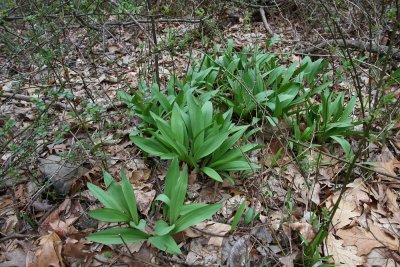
{"x": 118, "y": 236}
{"x": 192, "y": 206}
{"x": 178, "y": 196}
{"x": 108, "y": 180}
{"x": 212, "y": 174}
{"x": 102, "y": 196}
{"x": 236, "y": 166}
{"x": 130, "y": 197}
{"x": 195, "y": 217}
{"x": 151, "y": 146}
{"x": 162, "y": 228}
{"x": 109, "y": 215}
{"x": 167, "y": 136}
{"x": 250, "y": 215}
{"x": 211, "y": 145}
{"x": 172, "y": 177}
{"x": 349, "y": 108}
{"x": 196, "y": 121}
{"x": 345, "y": 145}
{"x": 229, "y": 142}
{"x": 165, "y": 243}
{"x": 115, "y": 191}
{"x": 178, "y": 126}
{"x": 207, "y": 112}
{"x": 140, "y": 226}
{"x": 163, "y": 198}
{"x": 233, "y": 155}
{"x": 238, "y": 215}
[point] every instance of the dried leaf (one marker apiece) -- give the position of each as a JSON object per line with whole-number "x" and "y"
{"x": 365, "y": 241}
{"x": 305, "y": 229}
{"x": 343, "y": 256}
{"x": 50, "y": 252}
{"x": 288, "y": 261}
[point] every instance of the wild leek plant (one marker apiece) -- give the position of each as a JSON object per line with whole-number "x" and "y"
{"x": 249, "y": 80}
{"x": 331, "y": 119}
{"x": 197, "y": 136}
{"x": 120, "y": 207}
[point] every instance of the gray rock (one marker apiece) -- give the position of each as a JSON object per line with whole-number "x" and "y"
{"x": 60, "y": 173}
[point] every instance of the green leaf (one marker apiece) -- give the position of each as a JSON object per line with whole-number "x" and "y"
{"x": 196, "y": 120}
{"x": 211, "y": 145}
{"x": 250, "y": 215}
{"x": 116, "y": 235}
{"x": 109, "y": 215}
{"x": 196, "y": 216}
{"x": 165, "y": 243}
{"x": 212, "y": 174}
{"x": 102, "y": 196}
{"x": 108, "y": 180}
{"x": 229, "y": 142}
{"x": 178, "y": 126}
{"x": 171, "y": 177}
{"x": 238, "y": 215}
{"x": 178, "y": 196}
{"x": 345, "y": 145}
{"x": 162, "y": 228}
{"x": 236, "y": 166}
{"x": 164, "y": 198}
{"x": 140, "y": 226}
{"x": 191, "y": 207}
{"x": 130, "y": 197}
{"x": 115, "y": 191}
{"x": 151, "y": 146}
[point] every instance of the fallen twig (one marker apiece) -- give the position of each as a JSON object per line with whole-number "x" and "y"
{"x": 354, "y": 44}
{"x": 360, "y": 165}
{"x": 265, "y": 22}
{"x": 60, "y": 105}
{"x": 30, "y": 99}
{"x": 14, "y": 236}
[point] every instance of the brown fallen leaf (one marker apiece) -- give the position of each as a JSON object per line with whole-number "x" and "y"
{"x": 305, "y": 229}
{"x": 388, "y": 166}
{"x": 144, "y": 200}
{"x": 380, "y": 257}
{"x": 214, "y": 228}
{"x": 75, "y": 249}
{"x": 343, "y": 256}
{"x": 288, "y": 261}
{"x": 16, "y": 257}
{"x": 365, "y": 240}
{"x": 49, "y": 254}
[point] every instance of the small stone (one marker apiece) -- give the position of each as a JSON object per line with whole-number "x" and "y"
{"x": 60, "y": 173}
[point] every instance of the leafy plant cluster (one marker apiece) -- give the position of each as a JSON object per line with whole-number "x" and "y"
{"x": 192, "y": 122}
{"x": 120, "y": 207}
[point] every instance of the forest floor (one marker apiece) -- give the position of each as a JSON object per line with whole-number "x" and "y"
{"x": 44, "y": 211}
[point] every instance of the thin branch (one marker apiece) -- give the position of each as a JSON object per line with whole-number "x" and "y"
{"x": 30, "y": 99}
{"x": 355, "y": 44}
{"x": 343, "y": 160}
{"x": 265, "y": 22}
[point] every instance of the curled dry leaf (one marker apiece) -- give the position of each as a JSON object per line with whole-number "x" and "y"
{"x": 305, "y": 229}
{"x": 144, "y": 200}
{"x": 49, "y": 254}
